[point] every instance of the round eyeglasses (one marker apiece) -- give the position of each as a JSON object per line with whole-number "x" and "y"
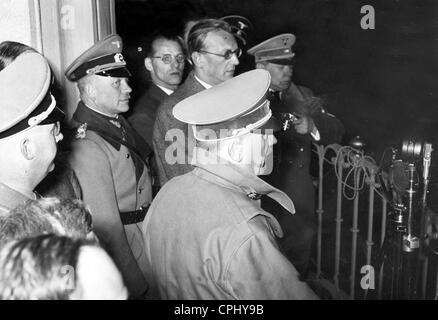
{"x": 168, "y": 58}
{"x": 227, "y": 55}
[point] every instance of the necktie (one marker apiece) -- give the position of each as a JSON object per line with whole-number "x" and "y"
{"x": 276, "y": 96}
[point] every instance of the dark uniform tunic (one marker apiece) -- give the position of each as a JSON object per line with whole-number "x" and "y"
{"x": 292, "y": 156}
{"x": 115, "y": 183}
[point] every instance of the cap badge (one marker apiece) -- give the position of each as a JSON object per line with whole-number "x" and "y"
{"x": 242, "y": 25}
{"x": 254, "y": 196}
{"x": 118, "y": 57}
{"x": 81, "y": 131}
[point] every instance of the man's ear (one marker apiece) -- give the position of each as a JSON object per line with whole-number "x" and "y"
{"x": 90, "y": 90}
{"x": 148, "y": 64}
{"x": 235, "y": 150}
{"x": 27, "y": 148}
{"x": 197, "y": 58}
{"x": 260, "y": 65}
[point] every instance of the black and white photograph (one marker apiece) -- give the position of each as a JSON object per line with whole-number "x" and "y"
{"x": 218, "y": 150}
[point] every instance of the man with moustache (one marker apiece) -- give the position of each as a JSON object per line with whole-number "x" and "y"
{"x": 165, "y": 61}
{"x": 214, "y": 54}
{"x": 29, "y": 124}
{"x": 110, "y": 158}
{"x": 305, "y": 122}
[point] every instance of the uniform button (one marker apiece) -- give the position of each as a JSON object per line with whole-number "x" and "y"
{"x": 127, "y": 156}
{"x": 140, "y": 190}
{"x": 301, "y": 149}
{"x": 300, "y": 165}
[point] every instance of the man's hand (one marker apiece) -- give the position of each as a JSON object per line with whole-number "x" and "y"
{"x": 304, "y": 125}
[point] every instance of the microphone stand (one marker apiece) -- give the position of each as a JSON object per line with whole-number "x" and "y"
{"x": 423, "y": 260}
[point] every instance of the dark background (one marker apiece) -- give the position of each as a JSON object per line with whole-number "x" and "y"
{"x": 381, "y": 83}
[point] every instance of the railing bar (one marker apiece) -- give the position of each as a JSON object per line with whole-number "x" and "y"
{"x": 382, "y": 239}
{"x": 320, "y": 210}
{"x": 354, "y": 231}
{"x": 370, "y": 217}
{"x": 424, "y": 277}
{"x": 436, "y": 285}
{"x": 338, "y": 223}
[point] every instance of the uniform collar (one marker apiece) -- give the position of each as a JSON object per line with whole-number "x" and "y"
{"x": 233, "y": 177}
{"x": 111, "y": 125}
{"x": 10, "y": 198}
{"x": 101, "y": 113}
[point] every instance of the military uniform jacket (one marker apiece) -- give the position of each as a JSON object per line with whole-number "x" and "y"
{"x": 10, "y": 198}
{"x": 113, "y": 180}
{"x": 164, "y": 122}
{"x": 145, "y": 110}
{"x": 207, "y": 239}
{"x": 292, "y": 153}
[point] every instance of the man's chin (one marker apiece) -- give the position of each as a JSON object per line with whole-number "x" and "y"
{"x": 284, "y": 86}
{"x": 123, "y": 107}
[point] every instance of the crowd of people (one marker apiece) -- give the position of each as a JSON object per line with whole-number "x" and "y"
{"x": 203, "y": 192}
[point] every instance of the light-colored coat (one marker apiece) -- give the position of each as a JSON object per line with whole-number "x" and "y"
{"x": 10, "y": 198}
{"x": 109, "y": 186}
{"x": 206, "y": 239}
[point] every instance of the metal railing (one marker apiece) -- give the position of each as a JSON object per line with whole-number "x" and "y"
{"x": 356, "y": 185}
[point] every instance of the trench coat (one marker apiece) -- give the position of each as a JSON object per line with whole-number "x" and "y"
{"x": 113, "y": 181}
{"x": 10, "y": 198}
{"x": 208, "y": 238}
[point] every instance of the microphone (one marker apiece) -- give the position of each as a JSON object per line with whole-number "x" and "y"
{"x": 427, "y": 152}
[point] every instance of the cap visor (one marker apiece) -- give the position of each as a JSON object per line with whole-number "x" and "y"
{"x": 284, "y": 62}
{"x": 116, "y": 73}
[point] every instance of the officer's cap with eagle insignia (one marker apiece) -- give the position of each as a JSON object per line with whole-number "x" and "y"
{"x": 276, "y": 50}
{"x": 104, "y": 58}
{"x": 223, "y": 112}
{"x": 25, "y": 97}
{"x": 241, "y": 27}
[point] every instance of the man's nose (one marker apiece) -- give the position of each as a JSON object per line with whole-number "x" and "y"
{"x": 272, "y": 139}
{"x": 126, "y": 87}
{"x": 235, "y": 60}
{"x": 288, "y": 70}
{"x": 175, "y": 64}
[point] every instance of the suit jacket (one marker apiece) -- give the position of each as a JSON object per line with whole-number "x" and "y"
{"x": 113, "y": 180}
{"x": 179, "y": 141}
{"x": 208, "y": 238}
{"x": 143, "y": 116}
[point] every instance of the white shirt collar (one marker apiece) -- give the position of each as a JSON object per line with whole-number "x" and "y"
{"x": 204, "y": 84}
{"x": 166, "y": 90}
